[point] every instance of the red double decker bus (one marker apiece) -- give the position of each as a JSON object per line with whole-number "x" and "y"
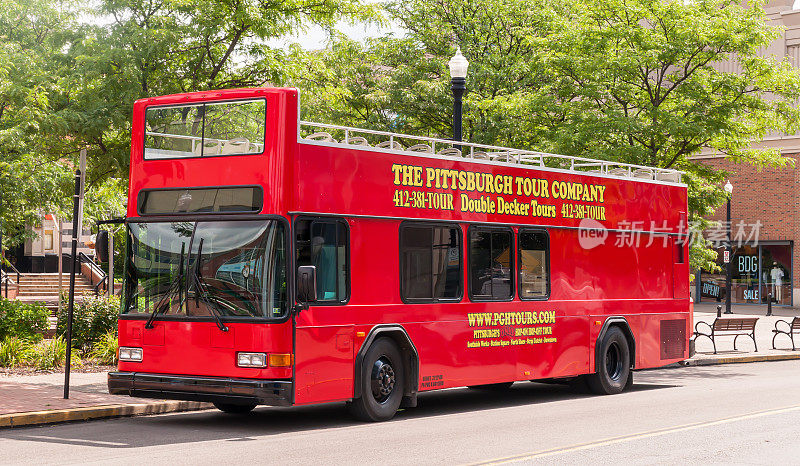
{"x": 279, "y": 262}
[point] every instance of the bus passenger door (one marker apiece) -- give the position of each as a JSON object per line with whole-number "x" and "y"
{"x": 323, "y": 343}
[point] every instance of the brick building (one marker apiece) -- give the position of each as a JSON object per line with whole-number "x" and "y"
{"x": 765, "y": 222}
{"x": 769, "y": 263}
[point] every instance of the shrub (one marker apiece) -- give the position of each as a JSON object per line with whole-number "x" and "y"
{"x": 104, "y": 351}
{"x": 93, "y": 317}
{"x": 51, "y": 354}
{"x": 14, "y": 352}
{"x": 105, "y": 315}
{"x": 23, "y": 320}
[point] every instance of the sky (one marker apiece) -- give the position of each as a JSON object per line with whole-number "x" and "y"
{"x": 315, "y": 37}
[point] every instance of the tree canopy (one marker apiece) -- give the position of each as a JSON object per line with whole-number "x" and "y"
{"x": 70, "y": 74}
{"x": 636, "y": 81}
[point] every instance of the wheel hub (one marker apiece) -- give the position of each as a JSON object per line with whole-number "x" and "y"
{"x": 382, "y": 380}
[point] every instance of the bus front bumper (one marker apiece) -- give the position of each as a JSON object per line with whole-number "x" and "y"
{"x": 208, "y": 389}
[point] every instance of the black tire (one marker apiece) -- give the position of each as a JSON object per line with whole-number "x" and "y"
{"x": 382, "y": 380}
{"x": 614, "y": 366}
{"x": 492, "y": 386}
{"x": 234, "y": 408}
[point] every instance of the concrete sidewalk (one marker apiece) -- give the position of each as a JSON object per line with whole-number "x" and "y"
{"x": 707, "y": 312}
{"x": 39, "y": 399}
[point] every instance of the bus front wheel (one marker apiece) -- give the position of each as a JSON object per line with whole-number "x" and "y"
{"x": 614, "y": 364}
{"x": 231, "y": 408}
{"x": 382, "y": 380}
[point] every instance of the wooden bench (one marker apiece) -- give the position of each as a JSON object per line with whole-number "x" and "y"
{"x": 791, "y": 328}
{"x": 727, "y": 327}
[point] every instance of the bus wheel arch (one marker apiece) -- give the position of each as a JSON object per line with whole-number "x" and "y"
{"x": 615, "y": 340}
{"x": 410, "y": 361}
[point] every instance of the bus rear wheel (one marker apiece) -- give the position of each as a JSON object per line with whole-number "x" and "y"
{"x": 231, "y": 408}
{"x": 614, "y": 364}
{"x": 382, "y": 380}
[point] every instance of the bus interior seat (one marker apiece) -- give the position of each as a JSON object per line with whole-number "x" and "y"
{"x": 237, "y": 146}
{"x": 321, "y": 136}
{"x": 358, "y": 141}
{"x": 385, "y": 144}
{"x": 452, "y": 151}
{"x": 421, "y": 148}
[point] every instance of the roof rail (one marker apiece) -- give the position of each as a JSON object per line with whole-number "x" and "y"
{"x": 323, "y": 133}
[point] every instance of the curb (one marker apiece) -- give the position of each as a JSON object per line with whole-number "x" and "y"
{"x": 98, "y": 412}
{"x": 739, "y": 359}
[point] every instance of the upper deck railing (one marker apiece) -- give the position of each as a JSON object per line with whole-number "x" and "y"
{"x": 445, "y": 148}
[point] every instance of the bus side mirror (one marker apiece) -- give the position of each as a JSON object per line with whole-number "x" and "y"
{"x": 306, "y": 284}
{"x": 101, "y": 245}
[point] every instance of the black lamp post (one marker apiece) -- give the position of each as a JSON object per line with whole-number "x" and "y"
{"x": 729, "y": 250}
{"x": 458, "y": 80}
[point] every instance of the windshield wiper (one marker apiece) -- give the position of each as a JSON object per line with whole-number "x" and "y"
{"x": 201, "y": 290}
{"x": 174, "y": 285}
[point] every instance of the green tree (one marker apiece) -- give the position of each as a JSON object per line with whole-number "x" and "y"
{"x": 156, "y": 48}
{"x": 69, "y": 77}
{"x": 33, "y": 34}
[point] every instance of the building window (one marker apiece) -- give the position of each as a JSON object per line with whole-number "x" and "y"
{"x": 776, "y": 273}
{"x": 757, "y": 271}
{"x": 490, "y": 264}
{"x": 534, "y": 264}
{"x": 48, "y": 240}
{"x": 430, "y": 263}
{"x": 323, "y": 243}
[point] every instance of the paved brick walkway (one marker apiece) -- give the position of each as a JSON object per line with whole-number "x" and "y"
{"x": 46, "y": 392}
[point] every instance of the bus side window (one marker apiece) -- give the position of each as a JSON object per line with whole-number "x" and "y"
{"x": 491, "y": 261}
{"x": 534, "y": 264}
{"x": 323, "y": 243}
{"x": 430, "y": 263}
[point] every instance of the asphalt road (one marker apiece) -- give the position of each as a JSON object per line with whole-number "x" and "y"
{"x": 742, "y": 413}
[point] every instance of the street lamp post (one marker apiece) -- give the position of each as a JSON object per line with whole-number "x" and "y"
{"x": 729, "y": 250}
{"x": 458, "y": 81}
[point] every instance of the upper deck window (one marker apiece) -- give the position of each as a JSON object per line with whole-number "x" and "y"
{"x": 205, "y": 130}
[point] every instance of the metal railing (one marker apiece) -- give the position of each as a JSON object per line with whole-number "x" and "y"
{"x": 95, "y": 268}
{"x": 238, "y": 143}
{"x": 6, "y": 279}
{"x": 446, "y": 148}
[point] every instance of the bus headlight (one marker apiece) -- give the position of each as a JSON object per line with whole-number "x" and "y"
{"x": 130, "y": 354}
{"x": 251, "y": 359}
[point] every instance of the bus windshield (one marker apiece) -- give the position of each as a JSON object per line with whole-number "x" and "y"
{"x": 202, "y": 268}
